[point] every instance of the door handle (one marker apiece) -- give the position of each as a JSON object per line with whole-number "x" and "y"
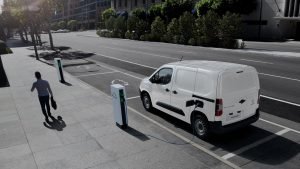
{"x": 174, "y": 92}
{"x": 167, "y": 90}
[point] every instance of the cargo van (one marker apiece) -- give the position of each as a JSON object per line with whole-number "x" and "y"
{"x": 211, "y": 96}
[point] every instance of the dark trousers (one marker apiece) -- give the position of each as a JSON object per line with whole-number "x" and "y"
{"x": 44, "y": 101}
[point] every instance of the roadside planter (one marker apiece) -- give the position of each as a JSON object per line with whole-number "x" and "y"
{"x": 239, "y": 44}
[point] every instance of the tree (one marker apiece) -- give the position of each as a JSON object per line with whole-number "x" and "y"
{"x": 139, "y": 13}
{"x": 132, "y": 22}
{"x": 158, "y": 28}
{"x": 120, "y": 26}
{"x": 155, "y": 11}
{"x": 174, "y": 8}
{"x": 72, "y": 25}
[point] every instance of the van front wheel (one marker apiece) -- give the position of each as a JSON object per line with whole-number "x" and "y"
{"x": 200, "y": 126}
{"x": 147, "y": 102}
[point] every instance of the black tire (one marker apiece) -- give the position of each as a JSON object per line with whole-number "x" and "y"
{"x": 200, "y": 126}
{"x": 147, "y": 102}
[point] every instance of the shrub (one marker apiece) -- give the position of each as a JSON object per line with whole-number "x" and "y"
{"x": 62, "y": 24}
{"x": 106, "y": 14}
{"x": 128, "y": 34}
{"x": 176, "y": 39}
{"x": 120, "y": 26}
{"x": 104, "y": 33}
{"x": 229, "y": 30}
{"x": 134, "y": 36}
{"x": 132, "y": 22}
{"x": 204, "y": 6}
{"x": 139, "y": 13}
{"x": 142, "y": 38}
{"x": 141, "y": 27}
{"x": 109, "y": 24}
{"x": 192, "y": 42}
{"x": 207, "y": 27}
{"x": 172, "y": 30}
{"x": 174, "y": 8}
{"x": 54, "y": 26}
{"x": 155, "y": 11}
{"x": 72, "y": 25}
{"x": 186, "y": 25}
{"x": 158, "y": 28}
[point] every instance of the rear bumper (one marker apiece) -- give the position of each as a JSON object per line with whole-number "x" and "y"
{"x": 216, "y": 127}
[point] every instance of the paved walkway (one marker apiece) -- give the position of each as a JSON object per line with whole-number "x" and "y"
{"x": 90, "y": 138}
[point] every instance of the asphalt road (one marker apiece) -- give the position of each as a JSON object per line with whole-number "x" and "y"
{"x": 271, "y": 142}
{"x": 279, "y": 74}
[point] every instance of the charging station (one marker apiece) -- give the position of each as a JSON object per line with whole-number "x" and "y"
{"x": 59, "y": 68}
{"x": 118, "y": 94}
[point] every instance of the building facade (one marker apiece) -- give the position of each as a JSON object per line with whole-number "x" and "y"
{"x": 128, "y": 5}
{"x": 273, "y": 20}
{"x": 86, "y": 12}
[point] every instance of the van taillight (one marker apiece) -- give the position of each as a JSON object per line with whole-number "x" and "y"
{"x": 219, "y": 107}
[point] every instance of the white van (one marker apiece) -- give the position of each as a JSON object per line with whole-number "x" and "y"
{"x": 211, "y": 96}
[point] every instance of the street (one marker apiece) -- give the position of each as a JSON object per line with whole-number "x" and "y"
{"x": 271, "y": 142}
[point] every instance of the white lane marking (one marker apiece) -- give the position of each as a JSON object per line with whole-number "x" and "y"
{"x": 138, "y": 52}
{"x": 94, "y": 74}
{"x": 186, "y": 139}
{"x": 133, "y": 97}
{"x": 275, "y": 124}
{"x": 257, "y": 61}
{"x": 126, "y": 61}
{"x": 282, "y": 77}
{"x": 283, "y": 101}
{"x": 239, "y": 151}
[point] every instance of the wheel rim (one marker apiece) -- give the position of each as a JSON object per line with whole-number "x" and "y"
{"x": 200, "y": 127}
{"x": 146, "y": 102}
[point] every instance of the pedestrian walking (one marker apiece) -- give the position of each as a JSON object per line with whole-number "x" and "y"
{"x": 43, "y": 89}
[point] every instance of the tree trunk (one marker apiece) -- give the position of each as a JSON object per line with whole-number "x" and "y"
{"x": 22, "y": 36}
{"x": 3, "y": 78}
{"x": 50, "y": 37}
{"x": 34, "y": 44}
{"x": 26, "y": 36}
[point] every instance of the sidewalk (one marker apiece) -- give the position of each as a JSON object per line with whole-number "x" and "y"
{"x": 90, "y": 138}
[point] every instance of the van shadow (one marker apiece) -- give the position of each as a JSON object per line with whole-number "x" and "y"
{"x": 56, "y": 124}
{"x": 274, "y": 152}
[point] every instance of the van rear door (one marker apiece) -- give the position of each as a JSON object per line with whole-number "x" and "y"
{"x": 239, "y": 89}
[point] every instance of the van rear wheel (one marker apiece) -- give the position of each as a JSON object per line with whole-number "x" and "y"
{"x": 200, "y": 126}
{"x": 147, "y": 102}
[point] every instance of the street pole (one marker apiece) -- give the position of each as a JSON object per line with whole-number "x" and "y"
{"x": 260, "y": 16}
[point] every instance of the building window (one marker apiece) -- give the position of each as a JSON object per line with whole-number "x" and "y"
{"x": 120, "y": 3}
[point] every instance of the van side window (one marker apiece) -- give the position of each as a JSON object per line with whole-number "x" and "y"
{"x": 163, "y": 76}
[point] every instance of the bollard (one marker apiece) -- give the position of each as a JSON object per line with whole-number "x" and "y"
{"x": 59, "y": 68}
{"x": 118, "y": 94}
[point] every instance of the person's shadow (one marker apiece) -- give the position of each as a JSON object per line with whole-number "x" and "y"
{"x": 56, "y": 124}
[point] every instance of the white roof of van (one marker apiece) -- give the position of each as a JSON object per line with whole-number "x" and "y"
{"x": 215, "y": 66}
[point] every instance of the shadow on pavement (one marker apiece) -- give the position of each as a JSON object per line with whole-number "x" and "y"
{"x": 56, "y": 124}
{"x": 135, "y": 133}
{"x": 276, "y": 151}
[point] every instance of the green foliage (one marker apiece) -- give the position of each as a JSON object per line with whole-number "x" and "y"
{"x": 142, "y": 38}
{"x": 172, "y": 30}
{"x": 229, "y": 29}
{"x": 4, "y": 49}
{"x": 109, "y": 24}
{"x": 128, "y": 34}
{"x": 207, "y": 29}
{"x": 62, "y": 24}
{"x": 186, "y": 25}
{"x": 141, "y": 27}
{"x": 174, "y": 8}
{"x": 104, "y": 33}
{"x": 72, "y": 25}
{"x": 132, "y": 22}
{"x": 139, "y": 13}
{"x": 120, "y": 26}
{"x": 158, "y": 28}
{"x": 54, "y": 26}
{"x": 192, "y": 42}
{"x": 106, "y": 14}
{"x": 155, "y": 11}
{"x": 223, "y": 6}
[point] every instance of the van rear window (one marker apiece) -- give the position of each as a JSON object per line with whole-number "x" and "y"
{"x": 238, "y": 81}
